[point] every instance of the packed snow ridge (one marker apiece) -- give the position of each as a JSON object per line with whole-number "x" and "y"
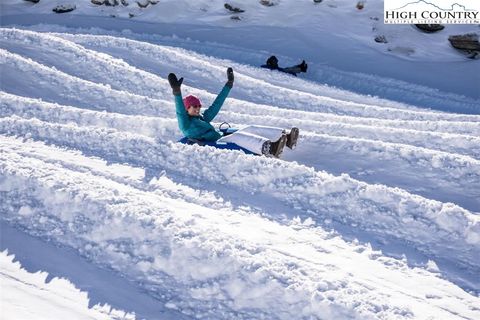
{"x": 374, "y": 215}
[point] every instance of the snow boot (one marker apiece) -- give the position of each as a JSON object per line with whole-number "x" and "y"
{"x": 292, "y": 138}
{"x": 276, "y": 148}
{"x": 266, "y": 146}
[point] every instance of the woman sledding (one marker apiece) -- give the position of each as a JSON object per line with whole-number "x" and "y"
{"x": 195, "y": 125}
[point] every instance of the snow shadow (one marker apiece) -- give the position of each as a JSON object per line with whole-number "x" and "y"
{"x": 102, "y": 286}
{"x": 265, "y": 204}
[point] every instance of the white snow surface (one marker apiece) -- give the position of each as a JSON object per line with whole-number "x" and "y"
{"x": 21, "y": 288}
{"x": 375, "y": 214}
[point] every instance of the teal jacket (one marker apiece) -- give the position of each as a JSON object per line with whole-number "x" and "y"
{"x": 199, "y": 127}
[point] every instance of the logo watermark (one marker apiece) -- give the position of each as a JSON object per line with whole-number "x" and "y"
{"x": 432, "y": 11}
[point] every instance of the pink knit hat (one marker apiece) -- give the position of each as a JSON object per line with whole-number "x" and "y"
{"x": 190, "y": 100}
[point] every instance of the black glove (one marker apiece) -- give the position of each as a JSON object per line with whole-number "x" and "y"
{"x": 230, "y": 77}
{"x": 175, "y": 83}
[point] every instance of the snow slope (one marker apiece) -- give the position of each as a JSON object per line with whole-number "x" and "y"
{"x": 205, "y": 257}
{"x": 58, "y": 294}
{"x": 374, "y": 215}
{"x": 335, "y": 38}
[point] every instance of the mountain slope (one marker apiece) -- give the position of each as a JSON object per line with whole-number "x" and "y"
{"x": 89, "y": 162}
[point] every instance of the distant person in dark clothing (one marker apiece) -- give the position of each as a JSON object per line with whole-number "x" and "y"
{"x": 272, "y": 64}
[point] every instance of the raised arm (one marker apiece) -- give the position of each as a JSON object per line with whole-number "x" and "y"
{"x": 213, "y": 110}
{"x": 182, "y": 115}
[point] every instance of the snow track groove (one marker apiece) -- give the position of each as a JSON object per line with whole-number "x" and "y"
{"x": 124, "y": 77}
{"x": 142, "y": 103}
{"x": 447, "y": 142}
{"x": 166, "y": 128}
{"x": 57, "y": 86}
{"x": 399, "y": 158}
{"x": 426, "y": 223}
{"x": 28, "y": 108}
{"x": 100, "y": 96}
{"x": 148, "y": 85}
{"x": 205, "y": 70}
{"x": 418, "y": 95}
{"x": 92, "y": 214}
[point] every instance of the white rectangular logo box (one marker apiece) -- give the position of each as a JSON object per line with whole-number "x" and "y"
{"x": 432, "y": 11}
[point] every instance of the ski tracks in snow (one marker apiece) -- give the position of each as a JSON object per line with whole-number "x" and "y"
{"x": 193, "y": 254}
{"x": 76, "y": 92}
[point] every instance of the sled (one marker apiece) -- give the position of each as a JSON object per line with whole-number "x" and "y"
{"x": 216, "y": 144}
